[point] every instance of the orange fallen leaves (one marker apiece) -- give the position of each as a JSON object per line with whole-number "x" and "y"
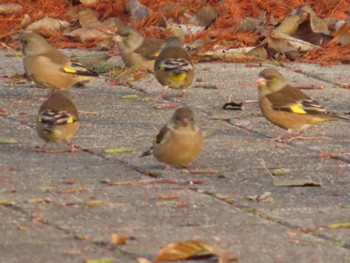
{"x": 221, "y": 32}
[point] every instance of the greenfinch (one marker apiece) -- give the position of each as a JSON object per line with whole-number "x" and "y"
{"x": 173, "y": 67}
{"x": 180, "y": 141}
{"x": 48, "y": 67}
{"x": 58, "y": 119}
{"x": 136, "y": 50}
{"x": 288, "y": 107}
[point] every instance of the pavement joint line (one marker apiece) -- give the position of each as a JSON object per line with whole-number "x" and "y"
{"x": 265, "y": 216}
{"x": 315, "y": 233}
{"x": 74, "y": 236}
{"x": 310, "y": 75}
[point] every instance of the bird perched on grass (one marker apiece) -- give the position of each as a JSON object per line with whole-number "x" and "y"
{"x": 288, "y": 107}
{"x": 180, "y": 141}
{"x": 48, "y": 67}
{"x": 173, "y": 67}
{"x": 58, "y": 119}
{"x": 137, "y": 50}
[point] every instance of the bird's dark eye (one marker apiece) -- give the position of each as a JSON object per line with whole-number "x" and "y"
{"x": 26, "y": 42}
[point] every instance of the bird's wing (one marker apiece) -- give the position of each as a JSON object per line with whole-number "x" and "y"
{"x": 161, "y": 135}
{"x": 293, "y": 100}
{"x": 59, "y": 59}
{"x": 172, "y": 64}
{"x": 56, "y": 117}
{"x": 150, "y": 48}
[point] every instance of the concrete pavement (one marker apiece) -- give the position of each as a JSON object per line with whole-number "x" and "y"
{"x": 63, "y": 207}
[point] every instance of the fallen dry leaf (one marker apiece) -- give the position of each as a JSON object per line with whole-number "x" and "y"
{"x": 221, "y": 117}
{"x": 264, "y": 197}
{"x": 219, "y": 52}
{"x": 284, "y": 43}
{"x": 280, "y": 171}
{"x": 94, "y": 30}
{"x": 192, "y": 249}
{"x": 72, "y": 252}
{"x": 118, "y": 239}
{"x": 142, "y": 260}
{"x": 88, "y": 2}
{"x": 83, "y": 237}
{"x": 6, "y": 9}
{"x": 318, "y": 25}
{"x": 72, "y": 190}
{"x": 170, "y": 196}
{"x": 344, "y": 85}
{"x": 166, "y": 106}
{"x": 332, "y": 155}
{"x": 251, "y": 24}
{"x": 93, "y": 203}
{"x": 184, "y": 250}
{"x": 39, "y": 201}
{"x": 16, "y": 79}
{"x": 289, "y": 26}
{"x": 191, "y": 29}
{"x": 295, "y": 182}
{"x": 48, "y": 24}
{"x": 38, "y": 219}
{"x": 70, "y": 181}
{"x": 233, "y": 105}
{"x": 88, "y": 17}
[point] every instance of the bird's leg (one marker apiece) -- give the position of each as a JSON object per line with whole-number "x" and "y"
{"x": 169, "y": 167}
{"x": 279, "y": 138}
{"x": 187, "y": 166}
{"x": 74, "y": 148}
{"x": 42, "y": 99}
{"x": 182, "y": 93}
{"x": 161, "y": 94}
{"x": 44, "y": 148}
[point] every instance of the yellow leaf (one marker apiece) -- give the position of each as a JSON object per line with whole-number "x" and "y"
{"x": 119, "y": 150}
{"x": 340, "y": 225}
{"x": 8, "y": 142}
{"x": 130, "y": 97}
{"x": 93, "y": 202}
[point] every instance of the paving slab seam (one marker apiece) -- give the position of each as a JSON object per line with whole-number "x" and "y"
{"x": 232, "y": 202}
{"x": 262, "y": 215}
{"x": 72, "y": 235}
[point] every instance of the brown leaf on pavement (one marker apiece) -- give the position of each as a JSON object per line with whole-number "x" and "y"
{"x": 192, "y": 249}
{"x": 118, "y": 239}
